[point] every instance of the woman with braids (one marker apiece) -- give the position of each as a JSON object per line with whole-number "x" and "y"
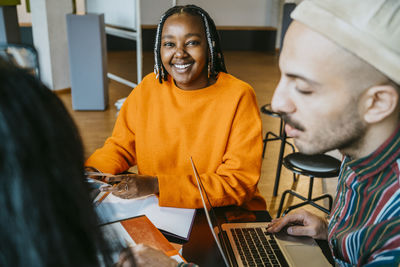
{"x": 190, "y": 106}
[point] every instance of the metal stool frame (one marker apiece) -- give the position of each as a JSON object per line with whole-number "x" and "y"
{"x": 266, "y": 109}
{"x": 309, "y": 200}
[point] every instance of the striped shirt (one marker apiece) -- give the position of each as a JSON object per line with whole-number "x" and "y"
{"x": 365, "y": 221}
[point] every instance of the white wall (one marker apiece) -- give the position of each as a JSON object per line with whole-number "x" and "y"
{"x": 152, "y": 10}
{"x": 80, "y": 7}
{"x": 49, "y": 32}
{"x": 224, "y": 12}
{"x": 240, "y": 12}
{"x": 23, "y": 16}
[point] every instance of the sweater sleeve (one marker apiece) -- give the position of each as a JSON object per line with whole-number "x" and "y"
{"x": 235, "y": 180}
{"x": 118, "y": 153}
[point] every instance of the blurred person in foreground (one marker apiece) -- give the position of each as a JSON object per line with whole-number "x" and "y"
{"x": 47, "y": 218}
{"x": 339, "y": 89}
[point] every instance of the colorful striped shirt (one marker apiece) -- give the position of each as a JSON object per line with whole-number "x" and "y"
{"x": 364, "y": 228}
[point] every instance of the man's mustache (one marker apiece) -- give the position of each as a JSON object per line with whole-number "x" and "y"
{"x": 292, "y": 123}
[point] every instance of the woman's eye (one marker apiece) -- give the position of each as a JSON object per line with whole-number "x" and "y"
{"x": 192, "y": 43}
{"x": 168, "y": 44}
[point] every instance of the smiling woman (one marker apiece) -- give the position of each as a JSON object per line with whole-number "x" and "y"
{"x": 184, "y": 51}
{"x": 190, "y": 106}
{"x": 195, "y": 29}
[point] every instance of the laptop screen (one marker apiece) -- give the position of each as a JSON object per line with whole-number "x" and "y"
{"x": 211, "y": 216}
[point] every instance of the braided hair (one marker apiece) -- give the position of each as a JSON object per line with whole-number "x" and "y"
{"x": 216, "y": 62}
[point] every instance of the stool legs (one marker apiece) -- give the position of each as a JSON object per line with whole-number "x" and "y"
{"x": 282, "y": 138}
{"x": 279, "y": 165}
{"x": 279, "y": 168}
{"x": 266, "y": 139}
{"x": 309, "y": 200}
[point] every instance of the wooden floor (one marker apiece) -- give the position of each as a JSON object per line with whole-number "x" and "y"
{"x": 260, "y": 69}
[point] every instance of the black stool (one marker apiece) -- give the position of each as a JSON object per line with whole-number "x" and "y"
{"x": 319, "y": 166}
{"x": 266, "y": 109}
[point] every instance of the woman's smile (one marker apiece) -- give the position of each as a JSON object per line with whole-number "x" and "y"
{"x": 182, "y": 68}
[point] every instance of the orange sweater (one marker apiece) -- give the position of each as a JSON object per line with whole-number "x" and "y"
{"x": 160, "y": 126}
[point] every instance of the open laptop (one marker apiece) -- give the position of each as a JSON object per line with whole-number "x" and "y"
{"x": 249, "y": 244}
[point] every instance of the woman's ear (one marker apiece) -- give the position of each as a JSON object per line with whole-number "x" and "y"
{"x": 380, "y": 102}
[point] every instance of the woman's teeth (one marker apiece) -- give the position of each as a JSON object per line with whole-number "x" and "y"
{"x": 182, "y": 66}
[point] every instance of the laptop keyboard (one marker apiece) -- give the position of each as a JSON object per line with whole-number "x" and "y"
{"x": 257, "y": 247}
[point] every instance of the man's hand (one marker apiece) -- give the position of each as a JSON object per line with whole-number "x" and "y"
{"x": 132, "y": 185}
{"x": 306, "y": 224}
{"x": 144, "y": 256}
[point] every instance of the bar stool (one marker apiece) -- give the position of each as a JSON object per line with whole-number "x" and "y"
{"x": 313, "y": 166}
{"x": 266, "y": 109}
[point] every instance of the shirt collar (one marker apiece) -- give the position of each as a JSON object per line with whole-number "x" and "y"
{"x": 377, "y": 161}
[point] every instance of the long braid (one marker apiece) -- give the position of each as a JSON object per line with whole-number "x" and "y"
{"x": 210, "y": 45}
{"x": 158, "y": 67}
{"x": 216, "y": 62}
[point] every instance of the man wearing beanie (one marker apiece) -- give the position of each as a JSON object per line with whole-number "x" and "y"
{"x": 339, "y": 89}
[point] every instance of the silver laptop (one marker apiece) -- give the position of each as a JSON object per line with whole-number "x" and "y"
{"x": 249, "y": 244}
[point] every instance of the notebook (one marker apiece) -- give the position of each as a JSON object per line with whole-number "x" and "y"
{"x": 249, "y": 244}
{"x": 175, "y": 222}
{"x": 137, "y": 230}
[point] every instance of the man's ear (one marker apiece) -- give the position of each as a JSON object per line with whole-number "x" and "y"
{"x": 379, "y": 102}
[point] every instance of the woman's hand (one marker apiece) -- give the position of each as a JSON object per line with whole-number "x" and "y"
{"x": 301, "y": 223}
{"x": 93, "y": 173}
{"x": 132, "y": 185}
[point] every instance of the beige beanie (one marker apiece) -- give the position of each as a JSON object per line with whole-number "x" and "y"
{"x": 369, "y": 29}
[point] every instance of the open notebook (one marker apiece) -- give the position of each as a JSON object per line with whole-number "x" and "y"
{"x": 138, "y": 230}
{"x": 175, "y": 222}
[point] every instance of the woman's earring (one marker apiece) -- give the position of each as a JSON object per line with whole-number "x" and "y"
{"x": 209, "y": 70}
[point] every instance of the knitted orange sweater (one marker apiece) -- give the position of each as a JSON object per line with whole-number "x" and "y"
{"x": 160, "y": 126}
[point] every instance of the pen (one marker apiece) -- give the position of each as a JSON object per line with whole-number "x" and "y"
{"x": 103, "y": 197}
{"x": 98, "y": 174}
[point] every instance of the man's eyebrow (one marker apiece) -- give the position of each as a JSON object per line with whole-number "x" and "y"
{"x": 170, "y": 36}
{"x": 298, "y": 76}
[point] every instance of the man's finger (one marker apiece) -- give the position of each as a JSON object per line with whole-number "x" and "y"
{"x": 278, "y": 224}
{"x": 299, "y": 230}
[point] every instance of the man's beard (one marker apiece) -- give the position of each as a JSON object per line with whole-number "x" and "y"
{"x": 345, "y": 133}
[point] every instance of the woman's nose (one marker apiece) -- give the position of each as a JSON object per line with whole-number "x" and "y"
{"x": 180, "y": 51}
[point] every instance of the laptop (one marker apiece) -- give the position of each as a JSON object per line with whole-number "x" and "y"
{"x": 249, "y": 244}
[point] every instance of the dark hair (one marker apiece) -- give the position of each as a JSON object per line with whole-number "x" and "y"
{"x": 46, "y": 216}
{"x": 217, "y": 63}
